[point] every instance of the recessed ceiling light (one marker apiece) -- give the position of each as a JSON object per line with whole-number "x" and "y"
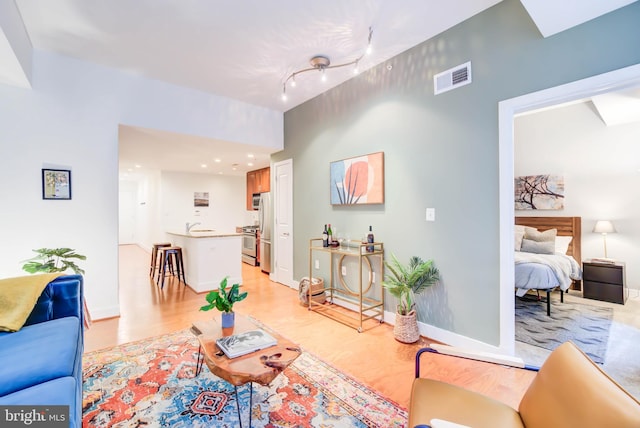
{"x": 250, "y": 155}
{"x": 250, "y": 164}
{"x": 204, "y": 165}
{"x": 138, "y": 166}
{"x": 217, "y": 160}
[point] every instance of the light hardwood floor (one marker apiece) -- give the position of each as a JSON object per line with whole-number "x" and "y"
{"x": 373, "y": 357}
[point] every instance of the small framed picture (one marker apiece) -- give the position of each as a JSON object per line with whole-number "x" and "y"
{"x": 56, "y": 184}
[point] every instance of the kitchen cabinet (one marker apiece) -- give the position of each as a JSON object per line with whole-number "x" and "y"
{"x": 258, "y": 181}
{"x": 210, "y": 257}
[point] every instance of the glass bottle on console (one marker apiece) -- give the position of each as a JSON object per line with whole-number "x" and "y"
{"x": 370, "y": 240}
{"x": 325, "y": 237}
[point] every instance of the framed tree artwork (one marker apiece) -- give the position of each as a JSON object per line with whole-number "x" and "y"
{"x": 539, "y": 192}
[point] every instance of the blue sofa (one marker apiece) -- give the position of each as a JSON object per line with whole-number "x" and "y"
{"x": 41, "y": 364}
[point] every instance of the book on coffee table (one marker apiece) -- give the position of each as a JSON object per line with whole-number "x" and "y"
{"x": 245, "y": 343}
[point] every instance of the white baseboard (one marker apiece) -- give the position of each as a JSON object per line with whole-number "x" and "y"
{"x": 435, "y": 333}
{"x": 446, "y": 336}
{"x": 103, "y": 313}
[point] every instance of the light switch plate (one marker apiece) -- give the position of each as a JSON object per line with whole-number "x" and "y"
{"x": 317, "y": 264}
{"x": 431, "y": 214}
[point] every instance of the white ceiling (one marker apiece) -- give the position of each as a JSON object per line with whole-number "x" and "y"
{"x": 244, "y": 49}
{"x": 142, "y": 149}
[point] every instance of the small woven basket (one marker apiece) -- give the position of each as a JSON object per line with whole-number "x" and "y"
{"x": 317, "y": 291}
{"x": 406, "y": 328}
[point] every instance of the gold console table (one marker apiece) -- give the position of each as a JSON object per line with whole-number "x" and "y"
{"x": 367, "y": 296}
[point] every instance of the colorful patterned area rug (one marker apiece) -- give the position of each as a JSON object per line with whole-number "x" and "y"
{"x": 152, "y": 383}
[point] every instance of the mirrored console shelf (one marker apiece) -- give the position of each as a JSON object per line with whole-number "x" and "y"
{"x": 350, "y": 304}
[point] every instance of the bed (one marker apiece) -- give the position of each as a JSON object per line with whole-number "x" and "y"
{"x": 548, "y": 259}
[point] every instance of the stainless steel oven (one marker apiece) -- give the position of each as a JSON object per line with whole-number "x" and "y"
{"x": 249, "y": 245}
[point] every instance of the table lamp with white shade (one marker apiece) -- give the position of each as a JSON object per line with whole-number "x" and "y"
{"x": 604, "y": 227}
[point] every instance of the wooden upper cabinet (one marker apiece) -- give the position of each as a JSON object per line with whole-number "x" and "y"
{"x": 251, "y": 186}
{"x": 258, "y": 181}
{"x": 264, "y": 180}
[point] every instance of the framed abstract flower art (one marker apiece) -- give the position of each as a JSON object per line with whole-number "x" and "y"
{"x": 358, "y": 180}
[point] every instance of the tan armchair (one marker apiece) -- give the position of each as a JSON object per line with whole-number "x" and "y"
{"x": 568, "y": 391}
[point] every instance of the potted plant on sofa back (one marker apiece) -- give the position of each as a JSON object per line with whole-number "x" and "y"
{"x": 404, "y": 283}
{"x": 223, "y": 300}
{"x": 51, "y": 260}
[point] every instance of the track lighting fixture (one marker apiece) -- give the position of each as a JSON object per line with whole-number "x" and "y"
{"x": 322, "y": 63}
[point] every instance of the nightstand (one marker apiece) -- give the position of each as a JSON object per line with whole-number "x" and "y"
{"x": 604, "y": 281}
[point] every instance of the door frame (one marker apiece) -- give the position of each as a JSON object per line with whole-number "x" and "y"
{"x": 624, "y": 78}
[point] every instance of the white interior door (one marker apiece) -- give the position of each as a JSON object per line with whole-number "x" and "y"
{"x": 283, "y": 213}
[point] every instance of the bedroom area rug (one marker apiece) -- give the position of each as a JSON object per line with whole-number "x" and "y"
{"x": 586, "y": 326}
{"x": 152, "y": 383}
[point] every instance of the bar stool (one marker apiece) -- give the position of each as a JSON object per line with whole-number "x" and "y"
{"x": 166, "y": 260}
{"x": 154, "y": 258}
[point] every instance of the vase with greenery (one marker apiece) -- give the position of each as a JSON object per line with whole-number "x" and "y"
{"x": 405, "y": 282}
{"x": 223, "y": 300}
{"x": 51, "y": 260}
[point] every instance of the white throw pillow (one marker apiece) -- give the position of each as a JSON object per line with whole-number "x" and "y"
{"x": 562, "y": 244}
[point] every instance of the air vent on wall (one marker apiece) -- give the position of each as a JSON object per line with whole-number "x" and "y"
{"x": 452, "y": 78}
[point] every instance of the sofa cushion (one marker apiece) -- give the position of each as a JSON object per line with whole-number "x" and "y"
{"x": 61, "y": 298}
{"x": 39, "y": 353}
{"x": 61, "y": 391}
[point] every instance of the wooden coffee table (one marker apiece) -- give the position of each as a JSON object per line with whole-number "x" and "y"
{"x": 261, "y": 366}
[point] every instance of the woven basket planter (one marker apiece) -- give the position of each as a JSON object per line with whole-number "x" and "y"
{"x": 406, "y": 328}
{"x": 317, "y": 291}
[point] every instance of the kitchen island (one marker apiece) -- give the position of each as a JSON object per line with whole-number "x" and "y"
{"x": 209, "y": 256}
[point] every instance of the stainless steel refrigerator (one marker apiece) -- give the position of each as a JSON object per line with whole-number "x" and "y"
{"x": 264, "y": 216}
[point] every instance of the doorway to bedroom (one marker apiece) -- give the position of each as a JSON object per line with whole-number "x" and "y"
{"x": 517, "y": 114}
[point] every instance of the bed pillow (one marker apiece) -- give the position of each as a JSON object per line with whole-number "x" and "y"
{"x": 520, "y": 228}
{"x": 546, "y": 236}
{"x": 538, "y": 247}
{"x": 518, "y": 243}
{"x": 562, "y": 244}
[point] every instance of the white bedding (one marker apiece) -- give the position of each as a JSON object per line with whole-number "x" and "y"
{"x": 544, "y": 271}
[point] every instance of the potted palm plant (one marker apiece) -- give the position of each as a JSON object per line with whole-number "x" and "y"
{"x": 404, "y": 283}
{"x": 223, "y": 300}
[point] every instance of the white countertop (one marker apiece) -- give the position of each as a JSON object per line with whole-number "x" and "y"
{"x": 205, "y": 233}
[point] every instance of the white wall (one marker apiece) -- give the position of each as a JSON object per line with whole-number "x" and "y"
{"x": 164, "y": 202}
{"x": 227, "y": 200}
{"x": 601, "y": 168}
{"x": 70, "y": 119}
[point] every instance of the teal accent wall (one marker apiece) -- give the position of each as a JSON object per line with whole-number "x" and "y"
{"x": 441, "y": 151}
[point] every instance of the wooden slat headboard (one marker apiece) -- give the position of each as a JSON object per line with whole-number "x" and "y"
{"x": 567, "y": 226}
